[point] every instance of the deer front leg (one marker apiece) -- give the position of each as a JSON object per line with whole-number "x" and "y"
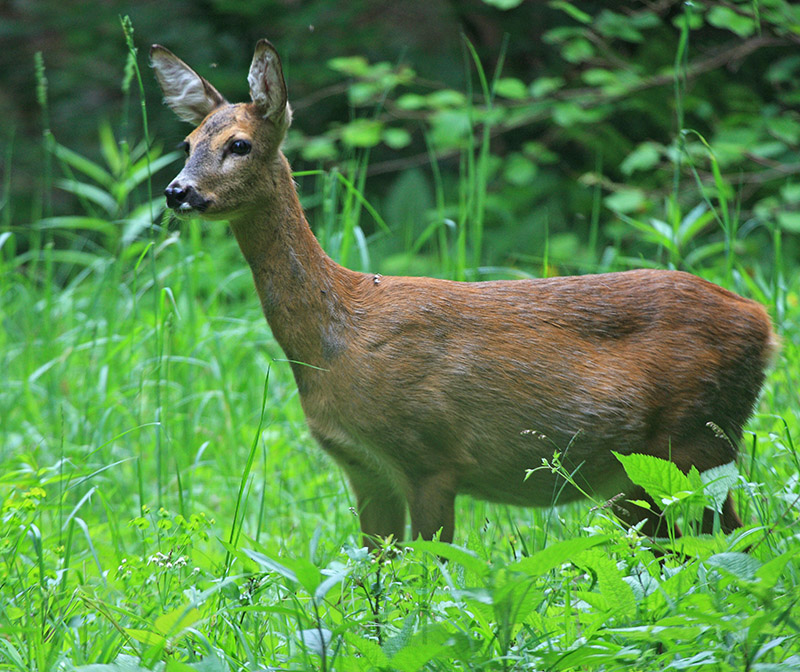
{"x": 432, "y": 506}
{"x": 381, "y": 506}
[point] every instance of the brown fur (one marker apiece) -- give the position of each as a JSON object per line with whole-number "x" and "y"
{"x": 421, "y": 389}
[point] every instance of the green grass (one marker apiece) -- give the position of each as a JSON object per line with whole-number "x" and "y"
{"x": 164, "y": 507}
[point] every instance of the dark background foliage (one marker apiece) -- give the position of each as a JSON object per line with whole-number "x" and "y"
{"x": 585, "y": 145}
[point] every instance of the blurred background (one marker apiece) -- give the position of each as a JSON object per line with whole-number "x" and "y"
{"x": 604, "y": 135}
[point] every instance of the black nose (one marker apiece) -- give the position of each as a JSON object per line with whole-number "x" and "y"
{"x": 176, "y": 194}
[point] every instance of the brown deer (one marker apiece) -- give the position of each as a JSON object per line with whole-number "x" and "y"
{"x": 421, "y": 388}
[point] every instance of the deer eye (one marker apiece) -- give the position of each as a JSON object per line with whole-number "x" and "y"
{"x": 240, "y": 147}
{"x": 185, "y": 147}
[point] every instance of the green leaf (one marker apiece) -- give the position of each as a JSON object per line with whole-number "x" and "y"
{"x": 618, "y": 595}
{"x": 741, "y": 565}
{"x": 718, "y": 481}
{"x": 355, "y": 66}
{"x": 412, "y": 101}
{"x": 146, "y": 637}
{"x": 503, "y": 4}
{"x": 519, "y": 170}
{"x": 423, "y": 647}
{"x": 91, "y": 193}
{"x": 645, "y": 156}
{"x": 319, "y": 148}
{"x": 626, "y": 200}
{"x": 569, "y": 114}
{"x": 372, "y": 655}
{"x": 396, "y": 138}
{"x": 70, "y": 222}
{"x": 570, "y": 9}
{"x": 661, "y": 479}
{"x": 555, "y": 555}
{"x": 510, "y": 87}
{"x": 545, "y": 85}
{"x": 616, "y": 25}
{"x": 578, "y": 50}
{"x": 177, "y": 620}
{"x": 463, "y": 557}
{"x": 450, "y": 127}
{"x": 80, "y": 163}
{"x": 446, "y": 98}
{"x": 142, "y": 171}
{"x": 789, "y": 221}
{"x": 269, "y": 565}
{"x": 791, "y": 192}
{"x": 727, "y": 19}
{"x": 362, "y": 133}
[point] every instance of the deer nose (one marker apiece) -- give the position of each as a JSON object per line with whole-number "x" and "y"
{"x": 176, "y": 194}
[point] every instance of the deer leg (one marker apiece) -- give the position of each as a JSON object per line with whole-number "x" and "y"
{"x": 729, "y": 519}
{"x": 432, "y": 506}
{"x": 655, "y": 524}
{"x": 381, "y": 507}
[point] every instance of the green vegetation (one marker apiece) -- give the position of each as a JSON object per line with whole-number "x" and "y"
{"x": 163, "y": 505}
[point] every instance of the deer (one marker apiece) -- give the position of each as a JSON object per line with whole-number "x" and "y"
{"x": 422, "y": 389}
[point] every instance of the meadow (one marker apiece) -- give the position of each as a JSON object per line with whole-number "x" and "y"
{"x": 165, "y": 508}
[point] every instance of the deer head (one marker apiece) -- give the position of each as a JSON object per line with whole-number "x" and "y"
{"x": 233, "y": 145}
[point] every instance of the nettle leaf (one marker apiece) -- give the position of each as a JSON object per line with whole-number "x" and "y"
{"x": 423, "y": 647}
{"x": 618, "y": 595}
{"x": 742, "y": 565}
{"x": 718, "y": 481}
{"x": 555, "y": 555}
{"x": 661, "y": 479}
{"x": 463, "y": 557}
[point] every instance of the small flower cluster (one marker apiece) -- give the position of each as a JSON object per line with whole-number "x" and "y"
{"x": 166, "y": 561}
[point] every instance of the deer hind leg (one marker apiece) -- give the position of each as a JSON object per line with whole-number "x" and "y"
{"x": 655, "y": 524}
{"x": 728, "y": 520}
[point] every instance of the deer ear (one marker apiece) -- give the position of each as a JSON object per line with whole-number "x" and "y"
{"x": 267, "y": 86}
{"x": 189, "y": 95}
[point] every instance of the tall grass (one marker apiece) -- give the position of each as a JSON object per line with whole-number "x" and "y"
{"x": 164, "y": 507}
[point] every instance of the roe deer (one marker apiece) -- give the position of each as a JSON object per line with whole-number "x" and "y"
{"x": 421, "y": 389}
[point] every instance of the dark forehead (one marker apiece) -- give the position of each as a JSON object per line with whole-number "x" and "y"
{"x": 226, "y": 119}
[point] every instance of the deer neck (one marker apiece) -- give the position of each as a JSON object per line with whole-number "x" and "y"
{"x": 303, "y": 291}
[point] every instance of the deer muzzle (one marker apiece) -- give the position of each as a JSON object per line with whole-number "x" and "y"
{"x": 184, "y": 198}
